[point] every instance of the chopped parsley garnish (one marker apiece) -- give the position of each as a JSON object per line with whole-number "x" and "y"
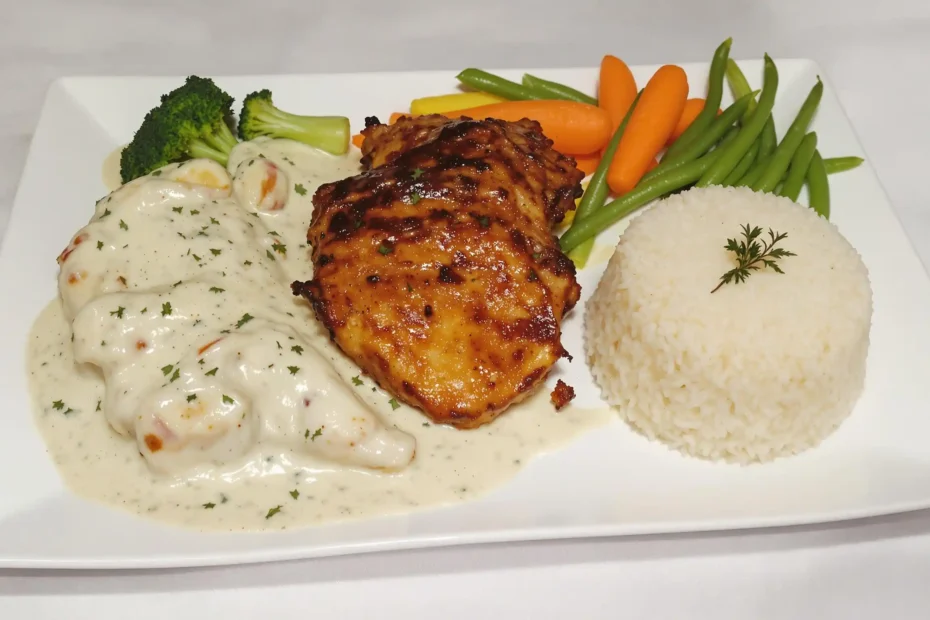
{"x": 196, "y": 258}
{"x": 426, "y": 424}
{"x": 484, "y": 221}
{"x": 417, "y": 173}
{"x": 166, "y": 370}
{"x": 306, "y": 433}
{"x": 299, "y": 350}
{"x": 58, "y": 404}
{"x": 247, "y": 263}
{"x": 245, "y": 319}
{"x": 166, "y": 308}
{"x": 209, "y": 506}
{"x": 99, "y": 402}
{"x": 194, "y": 212}
{"x": 415, "y": 198}
{"x": 123, "y": 225}
{"x": 316, "y": 434}
{"x": 175, "y": 376}
{"x": 223, "y": 498}
{"x": 279, "y": 345}
{"x": 211, "y": 373}
{"x": 300, "y": 189}
{"x": 356, "y": 380}
{"x": 105, "y": 213}
{"x": 213, "y": 220}
{"x": 280, "y": 248}
{"x": 144, "y": 310}
{"x": 215, "y": 252}
{"x": 191, "y": 397}
{"x": 384, "y": 249}
{"x": 100, "y": 245}
{"x": 269, "y": 254}
{"x": 200, "y": 361}
{"x": 274, "y": 233}
{"x": 177, "y": 209}
{"x": 294, "y": 369}
{"x": 216, "y": 289}
{"x": 295, "y": 493}
{"x": 177, "y": 284}
{"x": 118, "y": 313}
{"x": 273, "y": 511}
{"x": 229, "y": 400}
{"x": 394, "y": 404}
{"x": 182, "y": 235}
{"x": 536, "y": 255}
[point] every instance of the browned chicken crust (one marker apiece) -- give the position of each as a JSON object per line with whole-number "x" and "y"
{"x": 436, "y": 270}
{"x": 562, "y": 394}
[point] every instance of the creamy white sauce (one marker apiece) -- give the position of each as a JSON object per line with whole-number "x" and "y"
{"x": 269, "y": 427}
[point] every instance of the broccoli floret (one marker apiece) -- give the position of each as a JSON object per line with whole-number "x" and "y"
{"x": 191, "y": 121}
{"x": 260, "y": 117}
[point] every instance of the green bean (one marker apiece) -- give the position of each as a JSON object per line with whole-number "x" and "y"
{"x": 496, "y": 85}
{"x": 781, "y": 158}
{"x": 744, "y": 164}
{"x": 755, "y": 171}
{"x": 704, "y": 142}
{"x": 597, "y": 190}
{"x": 731, "y": 155}
{"x": 640, "y": 195}
{"x": 797, "y": 172}
{"x": 739, "y": 85}
{"x": 702, "y": 121}
{"x": 556, "y": 90}
{"x": 818, "y": 188}
{"x": 841, "y": 164}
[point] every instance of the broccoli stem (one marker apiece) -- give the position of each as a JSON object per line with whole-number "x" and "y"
{"x": 215, "y": 146}
{"x": 329, "y": 133}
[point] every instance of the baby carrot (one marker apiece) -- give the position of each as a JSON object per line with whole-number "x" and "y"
{"x": 651, "y": 123}
{"x": 587, "y": 163}
{"x": 692, "y": 108}
{"x": 574, "y": 128}
{"x": 616, "y": 89}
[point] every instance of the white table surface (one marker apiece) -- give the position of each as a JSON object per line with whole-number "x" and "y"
{"x": 876, "y": 54}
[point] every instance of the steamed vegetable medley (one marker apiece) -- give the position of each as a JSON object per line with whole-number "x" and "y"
{"x": 640, "y": 144}
{"x": 645, "y": 143}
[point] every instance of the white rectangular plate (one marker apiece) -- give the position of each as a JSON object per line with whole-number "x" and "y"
{"x": 609, "y": 482}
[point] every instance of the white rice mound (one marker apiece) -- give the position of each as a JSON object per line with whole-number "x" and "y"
{"x": 758, "y": 370}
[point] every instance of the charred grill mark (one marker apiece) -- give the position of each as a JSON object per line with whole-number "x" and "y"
{"x": 395, "y": 225}
{"x": 340, "y": 226}
{"x": 373, "y": 279}
{"x": 448, "y": 276}
{"x": 530, "y": 380}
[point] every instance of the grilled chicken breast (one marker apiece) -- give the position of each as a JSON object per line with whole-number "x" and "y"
{"x": 436, "y": 270}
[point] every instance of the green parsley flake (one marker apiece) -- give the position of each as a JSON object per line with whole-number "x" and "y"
{"x": 269, "y": 254}
{"x": 123, "y": 225}
{"x": 211, "y": 373}
{"x": 394, "y": 404}
{"x": 215, "y": 252}
{"x": 384, "y": 249}
{"x": 99, "y": 402}
{"x": 300, "y": 189}
{"x": 100, "y": 245}
{"x": 166, "y": 370}
{"x": 245, "y": 319}
{"x": 118, "y": 313}
{"x": 194, "y": 212}
{"x": 216, "y": 289}
{"x": 273, "y": 511}
{"x": 177, "y": 209}
{"x": 213, "y": 220}
{"x": 166, "y": 308}
{"x": 299, "y": 350}
{"x": 247, "y": 263}
{"x": 191, "y": 397}
{"x": 229, "y": 400}
{"x": 316, "y": 434}
{"x": 417, "y": 173}
{"x": 415, "y": 198}
{"x": 209, "y": 506}
{"x": 58, "y": 404}
{"x": 175, "y": 376}
{"x": 295, "y": 493}
{"x": 105, "y": 213}
{"x": 356, "y": 380}
{"x": 294, "y": 369}
{"x": 280, "y": 248}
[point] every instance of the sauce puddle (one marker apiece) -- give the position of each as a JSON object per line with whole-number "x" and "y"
{"x": 178, "y": 368}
